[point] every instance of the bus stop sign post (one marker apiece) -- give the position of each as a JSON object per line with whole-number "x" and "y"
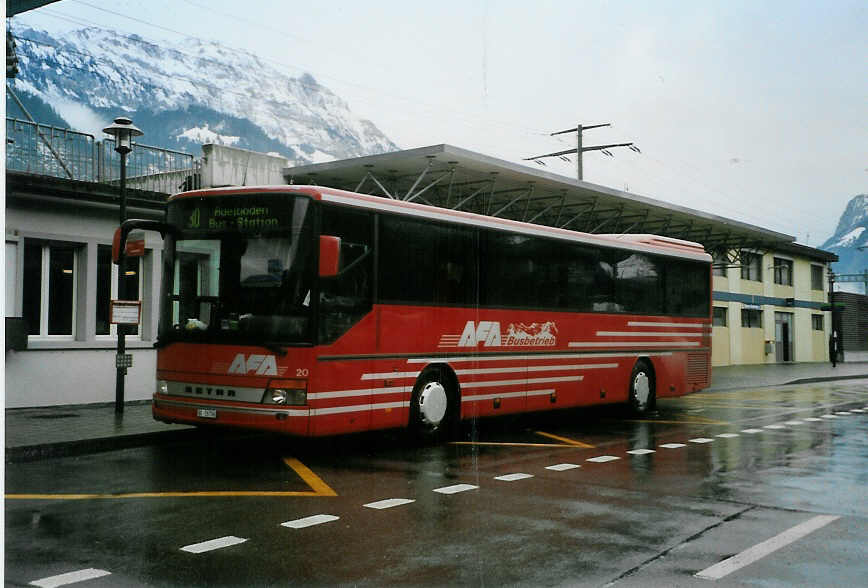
{"x": 123, "y": 130}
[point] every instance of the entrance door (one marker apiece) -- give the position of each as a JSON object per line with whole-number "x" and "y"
{"x": 784, "y": 337}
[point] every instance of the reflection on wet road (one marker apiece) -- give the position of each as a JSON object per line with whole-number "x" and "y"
{"x": 758, "y": 486}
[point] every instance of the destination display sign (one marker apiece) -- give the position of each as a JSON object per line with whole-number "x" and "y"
{"x": 251, "y": 214}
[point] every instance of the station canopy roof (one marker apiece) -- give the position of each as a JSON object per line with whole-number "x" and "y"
{"x": 455, "y": 178}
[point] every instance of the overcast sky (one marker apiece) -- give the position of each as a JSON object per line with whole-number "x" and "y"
{"x": 751, "y": 110}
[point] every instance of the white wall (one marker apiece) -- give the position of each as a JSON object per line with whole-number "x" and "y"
{"x": 78, "y": 369}
{"x": 72, "y": 376}
{"x": 229, "y": 166}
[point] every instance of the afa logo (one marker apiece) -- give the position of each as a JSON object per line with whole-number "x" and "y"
{"x": 489, "y": 334}
{"x": 260, "y": 365}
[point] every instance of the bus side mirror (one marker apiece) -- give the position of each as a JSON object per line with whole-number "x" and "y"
{"x": 116, "y": 247}
{"x": 329, "y": 256}
{"x": 135, "y": 247}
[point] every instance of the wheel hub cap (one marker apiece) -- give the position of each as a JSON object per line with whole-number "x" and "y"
{"x": 642, "y": 388}
{"x": 432, "y": 403}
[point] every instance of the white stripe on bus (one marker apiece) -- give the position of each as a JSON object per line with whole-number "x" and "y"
{"x": 633, "y": 344}
{"x": 536, "y": 368}
{"x": 676, "y": 325}
{"x": 390, "y": 375}
{"x": 509, "y": 370}
{"x": 461, "y": 358}
{"x": 489, "y": 383}
{"x": 644, "y": 334}
{"x": 357, "y": 408}
{"x": 353, "y": 393}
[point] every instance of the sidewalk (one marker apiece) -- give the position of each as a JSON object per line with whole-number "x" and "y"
{"x": 748, "y": 376}
{"x": 37, "y": 433}
{"x": 54, "y": 431}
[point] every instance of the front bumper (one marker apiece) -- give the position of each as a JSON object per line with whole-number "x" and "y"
{"x": 292, "y": 420}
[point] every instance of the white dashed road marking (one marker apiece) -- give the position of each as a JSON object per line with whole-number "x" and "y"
{"x": 562, "y": 467}
{"x": 760, "y": 550}
{"x": 640, "y": 451}
{"x": 843, "y": 413}
{"x": 70, "y": 578}
{"x": 828, "y": 416}
{"x": 791, "y": 423}
{"x": 310, "y": 521}
{"x": 814, "y": 420}
{"x": 513, "y": 477}
{"x": 673, "y": 445}
{"x": 603, "y": 458}
{"x": 774, "y": 427}
{"x": 752, "y": 431}
{"x": 456, "y": 488}
{"x": 388, "y": 503}
{"x": 728, "y": 435}
{"x": 213, "y": 544}
{"x": 701, "y": 440}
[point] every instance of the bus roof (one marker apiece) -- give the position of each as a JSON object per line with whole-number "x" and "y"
{"x": 638, "y": 242}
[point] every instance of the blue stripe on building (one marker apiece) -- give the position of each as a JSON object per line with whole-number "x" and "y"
{"x": 765, "y": 300}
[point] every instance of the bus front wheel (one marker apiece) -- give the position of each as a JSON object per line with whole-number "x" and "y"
{"x": 642, "y": 397}
{"x": 433, "y": 407}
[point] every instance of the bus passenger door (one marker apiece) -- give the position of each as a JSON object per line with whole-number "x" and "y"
{"x": 346, "y": 326}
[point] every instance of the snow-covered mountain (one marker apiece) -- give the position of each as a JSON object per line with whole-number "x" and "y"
{"x": 185, "y": 94}
{"x": 852, "y": 233}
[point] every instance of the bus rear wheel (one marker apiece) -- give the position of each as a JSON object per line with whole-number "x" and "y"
{"x": 433, "y": 407}
{"x": 642, "y": 397}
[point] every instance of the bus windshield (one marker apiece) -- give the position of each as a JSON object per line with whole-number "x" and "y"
{"x": 239, "y": 269}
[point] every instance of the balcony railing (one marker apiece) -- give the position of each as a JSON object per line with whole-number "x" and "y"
{"x": 64, "y": 153}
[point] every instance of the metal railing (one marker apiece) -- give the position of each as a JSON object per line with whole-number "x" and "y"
{"x": 63, "y": 153}
{"x": 49, "y": 151}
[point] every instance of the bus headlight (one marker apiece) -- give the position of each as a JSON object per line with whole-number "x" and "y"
{"x": 162, "y": 387}
{"x": 287, "y": 392}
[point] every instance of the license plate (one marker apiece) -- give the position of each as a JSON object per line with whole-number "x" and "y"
{"x": 206, "y": 413}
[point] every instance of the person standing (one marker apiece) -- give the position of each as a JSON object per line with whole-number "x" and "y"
{"x": 833, "y": 348}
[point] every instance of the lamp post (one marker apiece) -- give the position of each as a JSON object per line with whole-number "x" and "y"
{"x": 123, "y": 130}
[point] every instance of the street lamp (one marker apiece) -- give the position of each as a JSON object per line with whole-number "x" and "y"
{"x": 123, "y": 130}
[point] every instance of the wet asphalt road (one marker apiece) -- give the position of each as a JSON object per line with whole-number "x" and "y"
{"x": 546, "y": 500}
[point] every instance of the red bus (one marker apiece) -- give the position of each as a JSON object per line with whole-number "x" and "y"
{"x": 313, "y": 311}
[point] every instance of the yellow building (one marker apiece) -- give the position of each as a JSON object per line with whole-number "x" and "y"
{"x": 768, "y": 306}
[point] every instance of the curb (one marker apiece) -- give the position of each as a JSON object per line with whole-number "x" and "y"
{"x": 788, "y": 383}
{"x": 828, "y": 379}
{"x": 28, "y": 453}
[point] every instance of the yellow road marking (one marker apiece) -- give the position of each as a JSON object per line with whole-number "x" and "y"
{"x": 572, "y": 442}
{"x": 317, "y": 485}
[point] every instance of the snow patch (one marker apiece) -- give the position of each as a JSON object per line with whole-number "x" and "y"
{"x": 850, "y": 238}
{"x": 204, "y": 135}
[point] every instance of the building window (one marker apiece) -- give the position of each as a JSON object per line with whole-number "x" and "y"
{"x": 751, "y": 319}
{"x": 11, "y": 278}
{"x": 817, "y": 322}
{"x": 49, "y": 288}
{"x": 783, "y": 271}
{"x": 718, "y": 318}
{"x": 751, "y": 267}
{"x": 816, "y": 277}
{"x": 720, "y": 262}
{"x": 107, "y": 285}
